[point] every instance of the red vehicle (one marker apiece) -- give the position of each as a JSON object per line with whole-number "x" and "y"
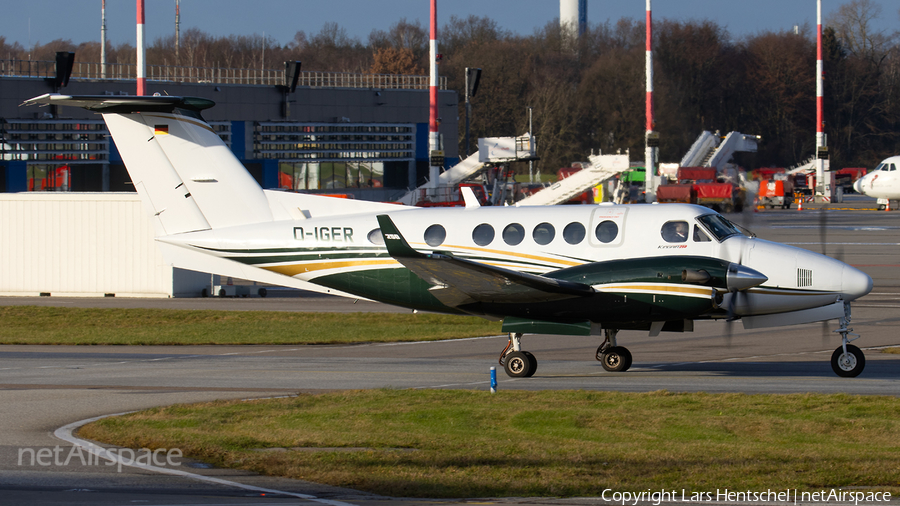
{"x": 478, "y": 189}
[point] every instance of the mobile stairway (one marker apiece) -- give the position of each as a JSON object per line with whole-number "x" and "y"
{"x": 601, "y": 168}
{"x": 707, "y": 151}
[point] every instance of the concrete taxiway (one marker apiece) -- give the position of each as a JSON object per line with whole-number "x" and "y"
{"x": 44, "y": 388}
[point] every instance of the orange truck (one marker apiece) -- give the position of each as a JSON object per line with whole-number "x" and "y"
{"x": 772, "y": 194}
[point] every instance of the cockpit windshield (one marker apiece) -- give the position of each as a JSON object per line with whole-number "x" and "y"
{"x": 886, "y": 167}
{"x": 718, "y": 226}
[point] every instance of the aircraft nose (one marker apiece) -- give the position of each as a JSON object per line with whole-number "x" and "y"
{"x": 854, "y": 283}
{"x": 857, "y": 185}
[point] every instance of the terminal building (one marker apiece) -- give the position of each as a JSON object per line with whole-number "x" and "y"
{"x": 72, "y": 224}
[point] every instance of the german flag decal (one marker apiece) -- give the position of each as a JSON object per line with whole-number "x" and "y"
{"x": 160, "y": 129}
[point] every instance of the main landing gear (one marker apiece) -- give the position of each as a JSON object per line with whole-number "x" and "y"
{"x": 847, "y": 360}
{"x": 516, "y": 362}
{"x": 613, "y": 358}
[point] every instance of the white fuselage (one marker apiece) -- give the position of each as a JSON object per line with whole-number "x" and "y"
{"x": 538, "y": 240}
{"x": 883, "y": 182}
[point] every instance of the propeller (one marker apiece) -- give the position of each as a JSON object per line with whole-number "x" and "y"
{"x": 839, "y": 255}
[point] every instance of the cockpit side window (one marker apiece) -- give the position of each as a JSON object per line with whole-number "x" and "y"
{"x": 700, "y": 235}
{"x": 893, "y": 168}
{"x": 718, "y": 226}
{"x": 675, "y": 231}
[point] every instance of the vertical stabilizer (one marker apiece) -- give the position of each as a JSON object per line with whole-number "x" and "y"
{"x": 225, "y": 192}
{"x": 186, "y": 175}
{"x": 161, "y": 189}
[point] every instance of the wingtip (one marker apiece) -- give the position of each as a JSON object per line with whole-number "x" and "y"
{"x": 393, "y": 240}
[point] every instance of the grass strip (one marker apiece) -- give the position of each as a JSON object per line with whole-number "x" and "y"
{"x": 53, "y": 325}
{"x": 446, "y": 443}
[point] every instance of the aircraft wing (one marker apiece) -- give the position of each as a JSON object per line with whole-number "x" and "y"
{"x": 458, "y": 281}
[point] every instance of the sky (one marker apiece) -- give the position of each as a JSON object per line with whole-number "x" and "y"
{"x": 40, "y": 21}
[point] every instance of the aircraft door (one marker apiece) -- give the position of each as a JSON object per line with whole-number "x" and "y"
{"x": 607, "y": 226}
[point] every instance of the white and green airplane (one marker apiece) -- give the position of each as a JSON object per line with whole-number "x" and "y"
{"x": 565, "y": 270}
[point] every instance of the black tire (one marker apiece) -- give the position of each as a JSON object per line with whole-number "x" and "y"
{"x": 616, "y": 359}
{"x": 263, "y": 292}
{"x": 532, "y": 364}
{"x": 849, "y": 365}
{"x": 517, "y": 365}
{"x": 221, "y": 292}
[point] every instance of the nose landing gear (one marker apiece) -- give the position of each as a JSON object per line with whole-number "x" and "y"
{"x": 847, "y": 361}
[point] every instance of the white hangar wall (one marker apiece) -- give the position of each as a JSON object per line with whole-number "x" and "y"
{"x": 85, "y": 244}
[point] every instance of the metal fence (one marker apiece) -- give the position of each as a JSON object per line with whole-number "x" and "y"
{"x": 167, "y": 73}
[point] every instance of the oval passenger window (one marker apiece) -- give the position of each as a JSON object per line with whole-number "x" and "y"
{"x": 483, "y": 234}
{"x": 435, "y": 235}
{"x": 606, "y": 231}
{"x": 513, "y": 234}
{"x": 543, "y": 234}
{"x": 573, "y": 233}
{"x": 375, "y": 237}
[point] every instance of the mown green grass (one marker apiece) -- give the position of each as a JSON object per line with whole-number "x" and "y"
{"x": 52, "y": 325}
{"x": 441, "y": 443}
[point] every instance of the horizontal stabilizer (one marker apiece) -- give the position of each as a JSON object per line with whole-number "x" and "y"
{"x": 123, "y": 104}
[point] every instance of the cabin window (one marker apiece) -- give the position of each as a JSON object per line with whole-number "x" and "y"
{"x": 675, "y": 231}
{"x": 513, "y": 234}
{"x": 375, "y": 237}
{"x": 700, "y": 235}
{"x": 573, "y": 233}
{"x": 435, "y": 235}
{"x": 543, "y": 234}
{"x": 483, "y": 234}
{"x": 606, "y": 231}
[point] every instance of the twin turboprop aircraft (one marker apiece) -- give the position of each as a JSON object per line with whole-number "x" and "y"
{"x": 565, "y": 270}
{"x": 882, "y": 183}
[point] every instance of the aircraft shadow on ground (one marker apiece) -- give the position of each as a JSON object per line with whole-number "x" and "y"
{"x": 875, "y": 369}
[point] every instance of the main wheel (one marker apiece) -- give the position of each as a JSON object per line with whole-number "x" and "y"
{"x": 850, "y": 364}
{"x": 532, "y": 364}
{"x": 517, "y": 365}
{"x": 616, "y": 359}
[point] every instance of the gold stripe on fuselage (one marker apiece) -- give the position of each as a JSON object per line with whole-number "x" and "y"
{"x": 545, "y": 259}
{"x": 689, "y": 291}
{"x": 295, "y": 269}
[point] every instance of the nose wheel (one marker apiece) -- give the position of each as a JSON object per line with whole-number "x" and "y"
{"x": 847, "y": 361}
{"x": 848, "y": 364}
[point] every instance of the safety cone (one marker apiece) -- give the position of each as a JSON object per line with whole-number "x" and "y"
{"x": 800, "y": 204}
{"x": 887, "y": 207}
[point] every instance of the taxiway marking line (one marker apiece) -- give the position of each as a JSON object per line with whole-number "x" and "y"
{"x": 65, "y": 433}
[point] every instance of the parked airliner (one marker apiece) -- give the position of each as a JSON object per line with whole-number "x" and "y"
{"x": 882, "y": 183}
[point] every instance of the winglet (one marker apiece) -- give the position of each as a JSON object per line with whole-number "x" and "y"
{"x": 396, "y": 245}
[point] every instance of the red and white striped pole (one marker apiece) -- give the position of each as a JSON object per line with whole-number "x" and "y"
{"x": 141, "y": 65}
{"x": 652, "y": 138}
{"x": 433, "y": 136}
{"x": 822, "y": 187}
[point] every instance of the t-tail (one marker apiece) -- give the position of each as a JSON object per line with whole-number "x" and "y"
{"x": 187, "y": 177}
